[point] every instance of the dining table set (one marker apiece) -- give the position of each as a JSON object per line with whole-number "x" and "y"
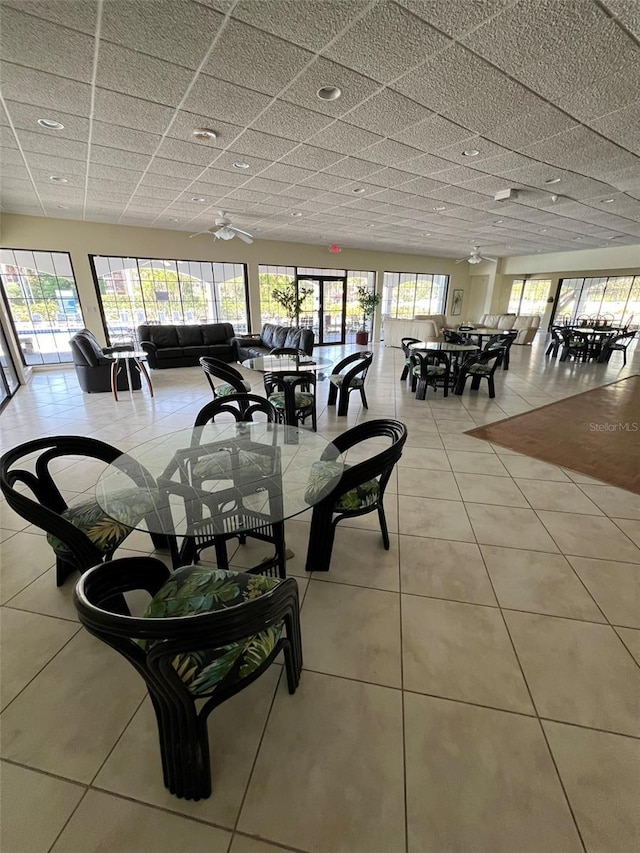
{"x": 587, "y": 342}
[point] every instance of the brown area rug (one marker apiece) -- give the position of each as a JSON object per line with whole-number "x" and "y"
{"x": 596, "y": 433}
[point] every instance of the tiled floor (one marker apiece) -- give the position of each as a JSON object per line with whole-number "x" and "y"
{"x": 476, "y": 689}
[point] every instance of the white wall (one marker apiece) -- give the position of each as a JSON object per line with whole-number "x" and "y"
{"x": 81, "y": 239}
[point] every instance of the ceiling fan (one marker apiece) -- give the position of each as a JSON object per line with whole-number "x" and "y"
{"x": 475, "y": 257}
{"x": 225, "y": 230}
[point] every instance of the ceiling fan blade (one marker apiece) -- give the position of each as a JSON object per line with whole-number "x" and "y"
{"x": 239, "y": 231}
{"x": 461, "y": 260}
{"x": 246, "y": 238}
{"x": 493, "y": 260}
{"x": 206, "y": 231}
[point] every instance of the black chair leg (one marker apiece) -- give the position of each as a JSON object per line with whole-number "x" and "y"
{"x": 343, "y": 402}
{"x": 364, "y": 397}
{"x": 492, "y": 389}
{"x": 333, "y": 394}
{"x": 405, "y": 373}
{"x": 475, "y": 383}
{"x": 63, "y": 570}
{"x": 383, "y": 527}
{"x": 321, "y": 536}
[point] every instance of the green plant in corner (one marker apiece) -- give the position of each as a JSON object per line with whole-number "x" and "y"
{"x": 290, "y": 300}
{"x": 368, "y": 301}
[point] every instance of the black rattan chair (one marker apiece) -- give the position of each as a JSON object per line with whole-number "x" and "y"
{"x": 232, "y": 380}
{"x": 83, "y": 534}
{"x": 504, "y": 342}
{"x": 293, "y": 395}
{"x": 575, "y": 345}
{"x": 617, "y": 343}
{"x": 206, "y": 635}
{"x": 240, "y": 406}
{"x": 353, "y": 379}
{"x": 404, "y": 343}
{"x": 430, "y": 368}
{"x": 480, "y": 366}
{"x": 556, "y": 341}
{"x": 360, "y": 489}
{"x": 451, "y": 337}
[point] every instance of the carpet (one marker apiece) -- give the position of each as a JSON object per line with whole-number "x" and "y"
{"x": 596, "y": 433}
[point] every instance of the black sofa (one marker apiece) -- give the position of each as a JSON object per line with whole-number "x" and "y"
{"x": 183, "y": 346}
{"x": 93, "y": 368}
{"x": 252, "y": 346}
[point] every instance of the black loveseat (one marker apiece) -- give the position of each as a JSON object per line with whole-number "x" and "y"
{"x": 184, "y": 346}
{"x": 252, "y": 346}
{"x": 93, "y": 368}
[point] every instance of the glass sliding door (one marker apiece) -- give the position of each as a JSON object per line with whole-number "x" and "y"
{"x": 529, "y": 297}
{"x": 8, "y": 377}
{"x": 324, "y": 308}
{"x": 615, "y": 299}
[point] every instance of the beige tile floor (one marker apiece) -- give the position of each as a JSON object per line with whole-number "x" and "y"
{"x": 476, "y": 689}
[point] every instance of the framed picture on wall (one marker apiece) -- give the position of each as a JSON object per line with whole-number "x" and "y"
{"x": 456, "y": 302}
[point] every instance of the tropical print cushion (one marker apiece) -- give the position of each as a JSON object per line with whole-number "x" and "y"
{"x": 576, "y": 342}
{"x": 218, "y": 465}
{"x": 198, "y": 589}
{"x": 338, "y": 380}
{"x": 226, "y": 390}
{"x": 303, "y": 400}
{"x": 480, "y": 369}
{"x": 323, "y": 479}
{"x": 432, "y": 370}
{"x": 130, "y": 505}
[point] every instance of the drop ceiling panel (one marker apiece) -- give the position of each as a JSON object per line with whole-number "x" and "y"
{"x": 141, "y": 76}
{"x": 44, "y": 90}
{"x": 125, "y": 138}
{"x": 25, "y": 117}
{"x": 291, "y": 121}
{"x": 628, "y": 13}
{"x": 75, "y": 14}
{"x": 377, "y": 44}
{"x": 310, "y": 157}
{"x": 456, "y": 19}
{"x": 45, "y": 46}
{"x": 355, "y": 88}
{"x": 622, "y": 127}
{"x": 116, "y": 157}
{"x": 345, "y": 138}
{"x": 433, "y": 133}
{"x": 386, "y": 113}
{"x": 126, "y": 111}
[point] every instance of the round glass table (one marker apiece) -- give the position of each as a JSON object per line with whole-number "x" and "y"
{"x": 284, "y": 363}
{"x": 120, "y": 357}
{"x": 443, "y": 346}
{"x": 207, "y": 484}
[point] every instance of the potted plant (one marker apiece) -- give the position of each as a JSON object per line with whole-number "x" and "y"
{"x": 368, "y": 302}
{"x": 290, "y": 300}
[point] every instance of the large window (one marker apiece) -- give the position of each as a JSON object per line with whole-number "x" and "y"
{"x": 406, "y": 294}
{"x": 145, "y": 290}
{"x": 615, "y": 298}
{"x": 40, "y": 292}
{"x": 529, "y": 296}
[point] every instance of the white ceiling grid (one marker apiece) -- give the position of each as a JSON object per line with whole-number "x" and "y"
{"x": 540, "y": 88}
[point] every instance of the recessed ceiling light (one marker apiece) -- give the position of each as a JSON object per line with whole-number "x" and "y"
{"x": 370, "y": 225}
{"x": 577, "y": 238}
{"x": 553, "y": 181}
{"x": 50, "y": 124}
{"x": 498, "y": 222}
{"x": 441, "y": 207}
{"x": 173, "y": 219}
{"x": 295, "y": 213}
{"x": 197, "y": 198}
{"x": 427, "y": 234}
{"x": 204, "y": 133}
{"x": 62, "y": 206}
{"x": 470, "y": 152}
{"x": 240, "y": 164}
{"x": 543, "y": 231}
{"x": 58, "y": 180}
{"x": 329, "y": 93}
{"x": 608, "y": 200}
{"x": 358, "y": 190}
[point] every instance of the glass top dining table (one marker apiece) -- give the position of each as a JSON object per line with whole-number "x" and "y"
{"x": 234, "y": 477}
{"x": 284, "y": 363}
{"x": 444, "y": 346}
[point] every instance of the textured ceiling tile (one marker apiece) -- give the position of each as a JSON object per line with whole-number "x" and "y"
{"x": 583, "y": 151}
{"x": 74, "y": 14}
{"x": 131, "y": 112}
{"x": 433, "y": 133}
{"x": 386, "y": 113}
{"x": 352, "y": 167}
{"x": 496, "y": 102}
{"x": 325, "y": 181}
{"x": 141, "y": 76}
{"x": 487, "y": 149}
{"x": 45, "y": 46}
{"x": 45, "y": 90}
{"x": 179, "y": 31}
{"x": 390, "y": 178}
{"x": 145, "y": 190}
{"x": 388, "y": 152}
{"x": 310, "y": 157}
{"x": 184, "y": 123}
{"x": 60, "y": 166}
{"x": 290, "y": 121}
{"x": 222, "y": 177}
{"x": 303, "y": 193}
{"x": 622, "y": 126}
{"x": 57, "y": 146}
{"x": 116, "y": 157}
{"x": 226, "y": 159}
{"x": 455, "y": 18}
{"x": 187, "y": 152}
{"x": 355, "y": 88}
{"x": 610, "y": 93}
{"x": 312, "y": 28}
{"x": 376, "y": 45}
{"x": 124, "y": 138}
{"x": 265, "y": 145}
{"x": 264, "y": 185}
{"x": 541, "y": 123}
{"x": 422, "y": 186}
{"x": 288, "y": 174}
{"x": 112, "y": 173}
{"x": 254, "y": 59}
{"x": 427, "y": 164}
{"x": 345, "y": 138}
{"x": 544, "y": 43}
{"x": 625, "y": 179}
{"x": 174, "y": 168}
{"x": 25, "y": 117}
{"x": 627, "y": 12}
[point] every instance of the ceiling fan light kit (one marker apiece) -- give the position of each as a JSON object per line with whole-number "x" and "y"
{"x": 225, "y": 230}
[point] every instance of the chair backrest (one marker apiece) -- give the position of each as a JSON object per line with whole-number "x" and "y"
{"x": 300, "y": 353}
{"x": 241, "y": 406}
{"x": 360, "y": 361}
{"x": 426, "y": 358}
{"x": 453, "y": 337}
{"x": 289, "y": 382}
{"x": 214, "y": 368}
{"x": 378, "y": 466}
{"x": 485, "y": 357}
{"x": 86, "y": 351}
{"x": 502, "y": 341}
{"x": 406, "y": 349}
{"x": 45, "y": 511}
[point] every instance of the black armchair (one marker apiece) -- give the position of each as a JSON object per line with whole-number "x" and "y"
{"x": 83, "y": 534}
{"x": 556, "y": 341}
{"x": 241, "y": 406}
{"x": 93, "y": 368}
{"x": 404, "y": 343}
{"x": 293, "y": 395}
{"x": 353, "y": 379}
{"x": 206, "y": 635}
{"x": 232, "y": 380}
{"x": 359, "y": 491}
{"x": 430, "y": 368}
{"x": 617, "y": 343}
{"x": 480, "y": 366}
{"x": 504, "y": 343}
